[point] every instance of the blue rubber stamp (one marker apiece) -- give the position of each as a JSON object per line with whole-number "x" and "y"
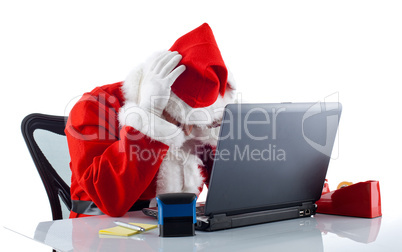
{"x": 176, "y": 214}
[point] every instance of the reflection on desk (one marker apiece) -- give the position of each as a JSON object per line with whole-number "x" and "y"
{"x": 359, "y": 229}
{"x": 291, "y": 235}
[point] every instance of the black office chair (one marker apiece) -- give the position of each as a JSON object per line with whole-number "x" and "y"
{"x": 47, "y": 144}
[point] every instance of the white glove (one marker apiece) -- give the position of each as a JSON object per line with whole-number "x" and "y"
{"x": 155, "y": 87}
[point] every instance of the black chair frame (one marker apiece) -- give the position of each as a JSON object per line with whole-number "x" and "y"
{"x": 54, "y": 184}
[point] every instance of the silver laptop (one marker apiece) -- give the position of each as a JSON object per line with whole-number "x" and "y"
{"x": 270, "y": 163}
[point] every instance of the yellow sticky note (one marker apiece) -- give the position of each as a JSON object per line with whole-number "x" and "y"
{"x": 122, "y": 231}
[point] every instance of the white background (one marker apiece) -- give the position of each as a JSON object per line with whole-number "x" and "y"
{"x": 53, "y": 51}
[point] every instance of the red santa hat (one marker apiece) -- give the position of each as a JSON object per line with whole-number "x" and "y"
{"x": 201, "y": 92}
{"x": 204, "y": 84}
{"x": 206, "y": 75}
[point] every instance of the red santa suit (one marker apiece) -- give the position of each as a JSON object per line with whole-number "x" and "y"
{"x": 122, "y": 155}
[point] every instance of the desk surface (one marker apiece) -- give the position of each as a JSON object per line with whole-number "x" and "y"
{"x": 319, "y": 233}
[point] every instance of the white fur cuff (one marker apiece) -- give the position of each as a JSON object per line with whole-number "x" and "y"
{"x": 151, "y": 125}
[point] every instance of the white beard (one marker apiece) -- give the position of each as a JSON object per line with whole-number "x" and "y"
{"x": 179, "y": 172}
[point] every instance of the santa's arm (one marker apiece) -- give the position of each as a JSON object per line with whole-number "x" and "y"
{"x": 112, "y": 167}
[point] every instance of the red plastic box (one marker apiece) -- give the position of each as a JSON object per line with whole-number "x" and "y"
{"x": 359, "y": 200}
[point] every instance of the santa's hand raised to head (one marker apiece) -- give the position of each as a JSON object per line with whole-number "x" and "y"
{"x": 155, "y": 86}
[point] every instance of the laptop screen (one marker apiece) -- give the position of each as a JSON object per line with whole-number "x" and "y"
{"x": 271, "y": 156}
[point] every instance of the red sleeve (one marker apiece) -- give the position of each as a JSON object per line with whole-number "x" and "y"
{"x": 105, "y": 160}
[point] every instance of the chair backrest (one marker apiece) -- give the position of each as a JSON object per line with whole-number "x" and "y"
{"x": 47, "y": 144}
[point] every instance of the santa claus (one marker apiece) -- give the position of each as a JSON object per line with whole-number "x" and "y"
{"x": 151, "y": 134}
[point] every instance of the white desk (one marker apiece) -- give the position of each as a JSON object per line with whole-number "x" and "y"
{"x": 321, "y": 233}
